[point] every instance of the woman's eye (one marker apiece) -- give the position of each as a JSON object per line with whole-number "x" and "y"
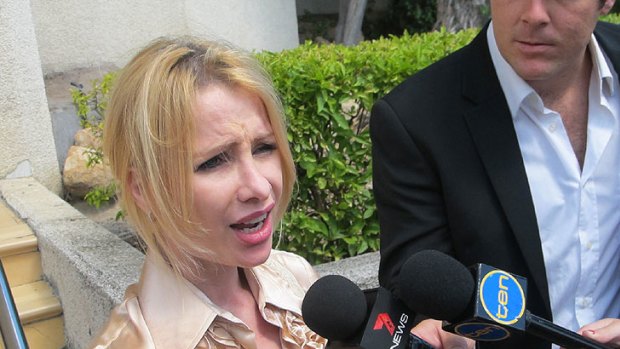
{"x": 265, "y": 148}
{"x": 212, "y": 163}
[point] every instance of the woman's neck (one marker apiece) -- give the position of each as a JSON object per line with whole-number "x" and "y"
{"x": 228, "y": 287}
{"x": 225, "y": 286}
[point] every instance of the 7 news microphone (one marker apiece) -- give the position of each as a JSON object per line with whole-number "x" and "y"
{"x": 337, "y": 309}
{"x": 482, "y": 302}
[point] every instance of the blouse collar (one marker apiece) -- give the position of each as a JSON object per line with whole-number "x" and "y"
{"x": 178, "y": 314}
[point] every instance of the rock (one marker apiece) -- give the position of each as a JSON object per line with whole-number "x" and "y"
{"x": 86, "y": 138}
{"x": 321, "y": 40}
{"x": 80, "y": 179}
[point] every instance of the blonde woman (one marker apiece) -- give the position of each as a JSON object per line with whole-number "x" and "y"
{"x": 195, "y": 135}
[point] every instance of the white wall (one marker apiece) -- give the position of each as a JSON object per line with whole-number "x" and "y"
{"x": 26, "y": 140}
{"x": 90, "y": 33}
{"x": 252, "y": 24}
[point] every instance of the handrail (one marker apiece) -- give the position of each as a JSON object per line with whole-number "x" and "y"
{"x": 10, "y": 326}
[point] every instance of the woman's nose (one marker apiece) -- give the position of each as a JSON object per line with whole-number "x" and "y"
{"x": 253, "y": 184}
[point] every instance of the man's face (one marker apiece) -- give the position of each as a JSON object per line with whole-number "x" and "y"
{"x": 545, "y": 39}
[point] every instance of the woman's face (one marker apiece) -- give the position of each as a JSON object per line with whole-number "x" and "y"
{"x": 237, "y": 178}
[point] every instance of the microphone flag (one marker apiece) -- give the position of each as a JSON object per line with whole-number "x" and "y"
{"x": 389, "y": 323}
{"x": 499, "y": 305}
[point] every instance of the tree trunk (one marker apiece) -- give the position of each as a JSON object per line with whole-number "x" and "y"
{"x": 350, "y": 18}
{"x": 455, "y": 15}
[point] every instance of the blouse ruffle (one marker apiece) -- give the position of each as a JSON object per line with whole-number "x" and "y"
{"x": 294, "y": 333}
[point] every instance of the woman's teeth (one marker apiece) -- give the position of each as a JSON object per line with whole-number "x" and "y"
{"x": 251, "y": 226}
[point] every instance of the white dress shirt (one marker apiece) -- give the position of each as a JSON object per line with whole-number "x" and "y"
{"x": 578, "y": 210}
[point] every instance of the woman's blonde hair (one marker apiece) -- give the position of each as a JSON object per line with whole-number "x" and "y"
{"x": 149, "y": 133}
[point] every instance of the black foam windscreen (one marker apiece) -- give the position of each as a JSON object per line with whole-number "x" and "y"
{"x": 436, "y": 285}
{"x": 334, "y": 307}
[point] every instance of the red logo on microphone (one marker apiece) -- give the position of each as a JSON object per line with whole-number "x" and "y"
{"x": 383, "y": 320}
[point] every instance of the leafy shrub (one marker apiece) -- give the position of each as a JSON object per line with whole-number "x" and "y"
{"x": 327, "y": 91}
{"x": 613, "y": 17}
{"x": 90, "y": 107}
{"x": 100, "y": 195}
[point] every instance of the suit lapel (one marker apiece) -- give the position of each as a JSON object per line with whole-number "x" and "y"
{"x": 605, "y": 34}
{"x": 492, "y": 130}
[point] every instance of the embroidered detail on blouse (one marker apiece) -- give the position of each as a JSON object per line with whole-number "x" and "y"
{"x": 294, "y": 332}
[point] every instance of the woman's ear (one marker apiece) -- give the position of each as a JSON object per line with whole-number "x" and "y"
{"x": 136, "y": 190}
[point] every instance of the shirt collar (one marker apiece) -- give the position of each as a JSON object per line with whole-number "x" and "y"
{"x": 178, "y": 314}
{"x": 271, "y": 283}
{"x": 603, "y": 64}
{"x": 517, "y": 91}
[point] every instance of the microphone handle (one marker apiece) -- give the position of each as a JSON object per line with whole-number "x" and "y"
{"x": 561, "y": 336}
{"x": 416, "y": 342}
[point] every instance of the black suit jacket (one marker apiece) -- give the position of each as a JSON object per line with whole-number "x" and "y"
{"x": 448, "y": 172}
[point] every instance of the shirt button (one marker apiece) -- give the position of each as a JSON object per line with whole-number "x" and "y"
{"x": 580, "y": 302}
{"x": 552, "y": 127}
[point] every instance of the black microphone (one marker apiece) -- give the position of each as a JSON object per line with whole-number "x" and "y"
{"x": 336, "y": 308}
{"x": 489, "y": 306}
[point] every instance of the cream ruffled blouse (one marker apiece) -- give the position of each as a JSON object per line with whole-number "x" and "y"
{"x": 165, "y": 311}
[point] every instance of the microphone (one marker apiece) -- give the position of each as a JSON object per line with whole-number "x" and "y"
{"x": 482, "y": 303}
{"x": 336, "y": 308}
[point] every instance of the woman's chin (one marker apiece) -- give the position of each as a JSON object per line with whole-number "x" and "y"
{"x": 257, "y": 255}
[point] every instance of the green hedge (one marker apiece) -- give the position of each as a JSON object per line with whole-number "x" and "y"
{"x": 327, "y": 91}
{"x": 612, "y": 18}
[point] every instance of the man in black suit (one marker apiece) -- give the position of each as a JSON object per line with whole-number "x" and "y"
{"x": 483, "y": 155}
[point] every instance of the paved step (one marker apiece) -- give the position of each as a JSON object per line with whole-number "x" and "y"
{"x": 39, "y": 309}
{"x": 44, "y": 334}
{"x": 23, "y": 268}
{"x": 7, "y": 217}
{"x": 35, "y": 301}
{"x": 16, "y": 239}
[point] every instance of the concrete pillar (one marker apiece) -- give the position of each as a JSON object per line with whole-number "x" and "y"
{"x": 26, "y": 139}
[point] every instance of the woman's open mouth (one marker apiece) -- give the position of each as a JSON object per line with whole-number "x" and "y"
{"x": 251, "y": 226}
{"x": 254, "y": 229}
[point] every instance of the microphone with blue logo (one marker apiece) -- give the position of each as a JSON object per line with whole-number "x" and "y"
{"x": 489, "y": 305}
